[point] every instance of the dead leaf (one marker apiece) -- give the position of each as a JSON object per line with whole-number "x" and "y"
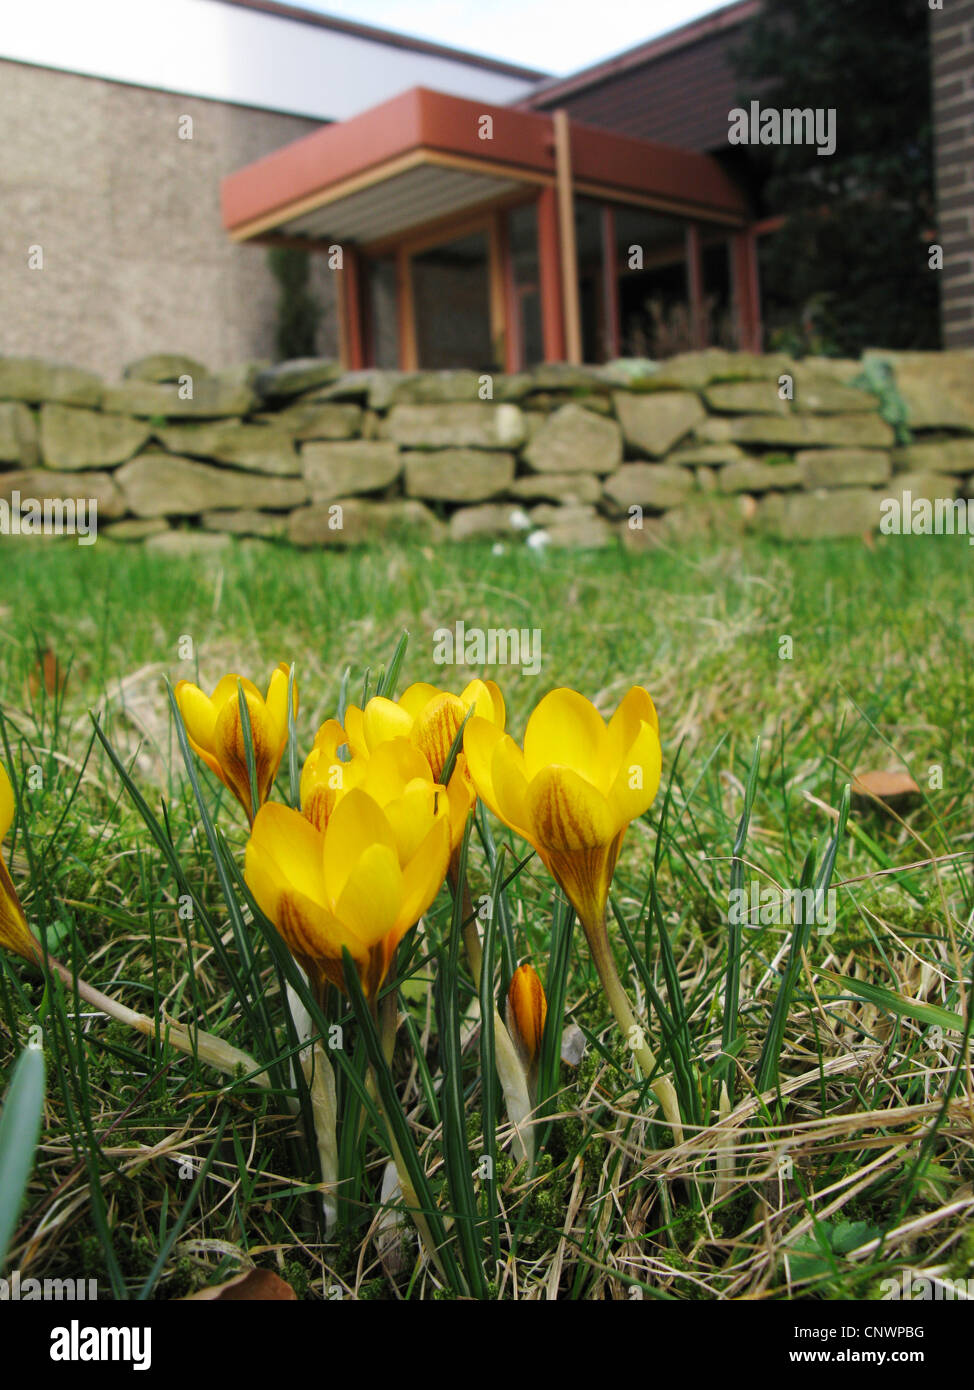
{"x": 253, "y": 1286}
{"x": 47, "y": 669}
{"x": 894, "y": 788}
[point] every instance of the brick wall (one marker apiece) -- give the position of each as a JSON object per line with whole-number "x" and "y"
{"x": 952, "y": 45}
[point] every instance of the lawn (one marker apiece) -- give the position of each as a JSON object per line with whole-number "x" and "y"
{"x": 828, "y": 1119}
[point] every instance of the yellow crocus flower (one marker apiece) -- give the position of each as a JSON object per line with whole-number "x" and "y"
{"x": 430, "y": 719}
{"x": 386, "y": 776}
{"x": 215, "y": 730}
{"x": 362, "y": 883}
{"x": 575, "y": 788}
{"x": 15, "y": 935}
{"x": 572, "y": 793}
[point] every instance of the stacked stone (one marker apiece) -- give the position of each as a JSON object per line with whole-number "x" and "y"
{"x": 709, "y": 441}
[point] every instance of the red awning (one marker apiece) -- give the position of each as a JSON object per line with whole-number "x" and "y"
{"x": 424, "y": 155}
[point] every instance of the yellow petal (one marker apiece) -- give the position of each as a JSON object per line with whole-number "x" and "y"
{"x": 567, "y": 813}
{"x": 369, "y": 901}
{"x": 264, "y": 881}
{"x": 584, "y": 876}
{"x": 226, "y": 689}
{"x": 391, "y": 768}
{"x": 285, "y": 851}
{"x": 199, "y": 714}
{"x": 410, "y": 816}
{"x": 383, "y": 719}
{"x": 314, "y": 934}
{"x": 635, "y": 709}
{"x": 14, "y": 933}
{"x": 7, "y": 806}
{"x": 276, "y": 702}
{"x": 423, "y": 876}
{"x": 511, "y": 786}
{"x": 492, "y": 754}
{"x": 435, "y": 730}
{"x": 637, "y": 781}
{"x": 460, "y": 797}
{"x": 481, "y": 740}
{"x": 487, "y": 700}
{"x": 317, "y": 804}
{"x": 416, "y": 697}
{"x": 355, "y": 732}
{"x": 228, "y": 746}
{"x": 330, "y": 737}
{"x": 567, "y": 730}
{"x": 357, "y": 823}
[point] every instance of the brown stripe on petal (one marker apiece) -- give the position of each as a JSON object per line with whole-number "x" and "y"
{"x": 584, "y": 877}
{"x": 435, "y": 731}
{"x": 315, "y": 955}
{"x": 14, "y": 933}
{"x": 233, "y": 755}
{"x": 318, "y": 807}
{"x": 555, "y": 824}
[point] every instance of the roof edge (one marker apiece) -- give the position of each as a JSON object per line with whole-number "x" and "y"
{"x": 727, "y": 17}
{"x": 391, "y": 38}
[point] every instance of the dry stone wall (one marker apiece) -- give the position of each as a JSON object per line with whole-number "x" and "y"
{"x": 634, "y": 452}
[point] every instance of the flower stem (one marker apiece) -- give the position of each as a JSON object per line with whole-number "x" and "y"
{"x": 510, "y": 1070}
{"x": 630, "y": 1027}
{"x": 409, "y": 1196}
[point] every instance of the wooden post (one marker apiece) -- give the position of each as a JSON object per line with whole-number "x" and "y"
{"x": 610, "y": 283}
{"x": 549, "y": 277}
{"x": 341, "y": 306}
{"x": 408, "y": 356}
{"x": 513, "y": 343}
{"x": 350, "y": 301}
{"x": 747, "y": 291}
{"x": 569, "y": 252}
{"x": 695, "y": 291}
{"x": 496, "y": 261}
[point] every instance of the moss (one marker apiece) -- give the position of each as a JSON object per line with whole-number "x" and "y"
{"x": 688, "y": 1226}
{"x": 295, "y": 1274}
{"x": 187, "y": 1275}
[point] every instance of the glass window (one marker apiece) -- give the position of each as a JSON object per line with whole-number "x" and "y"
{"x": 654, "y": 316}
{"x": 383, "y": 316}
{"x": 522, "y": 241}
{"x": 451, "y": 304}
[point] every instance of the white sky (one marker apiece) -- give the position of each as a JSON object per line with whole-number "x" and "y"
{"x": 558, "y": 36}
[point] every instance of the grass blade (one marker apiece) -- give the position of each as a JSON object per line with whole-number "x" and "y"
{"x": 20, "y": 1129}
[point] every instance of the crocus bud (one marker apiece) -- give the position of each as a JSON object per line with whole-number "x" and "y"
{"x": 527, "y": 1009}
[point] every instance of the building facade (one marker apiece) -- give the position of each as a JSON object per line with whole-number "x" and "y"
{"x": 155, "y": 152}
{"x": 119, "y": 121}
